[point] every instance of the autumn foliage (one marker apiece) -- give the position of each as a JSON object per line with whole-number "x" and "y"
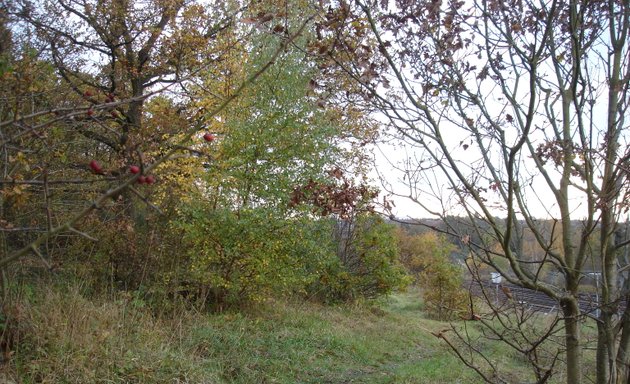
{"x": 428, "y": 258}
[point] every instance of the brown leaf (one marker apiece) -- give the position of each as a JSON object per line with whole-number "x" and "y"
{"x": 483, "y": 74}
{"x": 265, "y": 18}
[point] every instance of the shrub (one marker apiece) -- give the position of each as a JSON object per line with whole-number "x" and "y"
{"x": 444, "y": 296}
{"x": 427, "y": 257}
{"x": 239, "y": 257}
{"x": 366, "y": 263}
{"x": 232, "y": 257}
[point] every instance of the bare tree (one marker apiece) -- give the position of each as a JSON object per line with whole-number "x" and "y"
{"x": 512, "y": 109}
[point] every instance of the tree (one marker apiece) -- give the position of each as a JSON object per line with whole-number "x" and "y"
{"x": 427, "y": 258}
{"x": 513, "y": 109}
{"x": 114, "y": 55}
{"x": 274, "y": 138}
{"x": 416, "y": 250}
{"x": 240, "y": 231}
{"x": 368, "y": 253}
{"x": 103, "y": 121}
{"x": 366, "y": 261}
{"x": 75, "y": 119}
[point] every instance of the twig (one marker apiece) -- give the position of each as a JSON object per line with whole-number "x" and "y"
{"x": 51, "y": 182}
{"x": 38, "y": 253}
{"x": 145, "y": 200}
{"x": 83, "y": 234}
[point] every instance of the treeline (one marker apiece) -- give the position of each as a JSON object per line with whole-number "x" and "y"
{"x": 465, "y": 233}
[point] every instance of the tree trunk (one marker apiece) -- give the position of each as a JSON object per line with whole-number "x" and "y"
{"x": 571, "y": 313}
{"x": 623, "y": 353}
{"x": 601, "y": 361}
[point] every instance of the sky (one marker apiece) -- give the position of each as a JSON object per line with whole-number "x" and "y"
{"x": 433, "y": 189}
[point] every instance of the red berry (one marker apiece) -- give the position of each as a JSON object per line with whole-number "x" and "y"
{"x": 134, "y": 169}
{"x": 142, "y": 179}
{"x": 150, "y": 179}
{"x": 90, "y": 112}
{"x": 209, "y": 137}
{"x": 96, "y": 167}
{"x": 88, "y": 94}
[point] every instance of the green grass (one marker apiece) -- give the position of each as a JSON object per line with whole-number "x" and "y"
{"x": 66, "y": 338}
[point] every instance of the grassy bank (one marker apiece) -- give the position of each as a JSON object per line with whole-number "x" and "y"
{"x": 66, "y": 338}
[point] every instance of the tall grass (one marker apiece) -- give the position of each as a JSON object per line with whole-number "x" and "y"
{"x": 68, "y": 338}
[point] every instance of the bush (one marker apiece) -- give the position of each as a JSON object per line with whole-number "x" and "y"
{"x": 366, "y": 263}
{"x": 444, "y": 296}
{"x": 234, "y": 258}
{"x": 125, "y": 255}
{"x": 427, "y": 257}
